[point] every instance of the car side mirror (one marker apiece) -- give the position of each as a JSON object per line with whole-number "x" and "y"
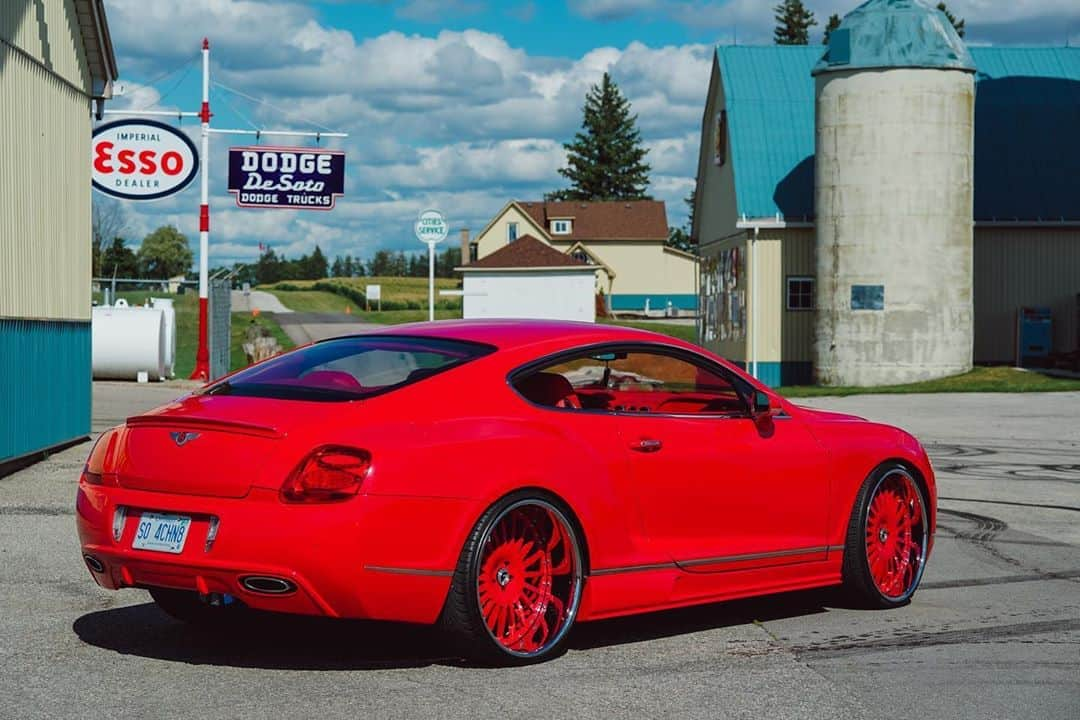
{"x": 764, "y": 405}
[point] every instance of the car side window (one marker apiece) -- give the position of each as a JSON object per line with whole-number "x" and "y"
{"x": 636, "y": 381}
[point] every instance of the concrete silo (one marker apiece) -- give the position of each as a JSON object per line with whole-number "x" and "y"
{"x": 895, "y": 101}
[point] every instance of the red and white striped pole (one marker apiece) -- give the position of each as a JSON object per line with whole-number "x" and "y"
{"x": 202, "y": 355}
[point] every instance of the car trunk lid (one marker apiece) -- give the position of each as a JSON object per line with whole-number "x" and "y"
{"x": 184, "y": 449}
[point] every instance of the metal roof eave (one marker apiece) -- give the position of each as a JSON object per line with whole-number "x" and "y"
{"x": 100, "y": 56}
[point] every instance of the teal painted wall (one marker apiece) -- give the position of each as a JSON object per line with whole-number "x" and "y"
{"x": 656, "y": 302}
{"x": 777, "y": 374}
{"x": 44, "y": 384}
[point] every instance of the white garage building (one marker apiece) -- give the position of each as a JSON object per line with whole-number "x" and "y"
{"x": 529, "y": 279}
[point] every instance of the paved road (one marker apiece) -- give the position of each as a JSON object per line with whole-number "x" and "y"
{"x": 994, "y": 633}
{"x": 257, "y": 300}
{"x": 303, "y": 328}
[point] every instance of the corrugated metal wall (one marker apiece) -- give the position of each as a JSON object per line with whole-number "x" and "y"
{"x": 44, "y": 227}
{"x": 797, "y": 334}
{"x": 44, "y": 173}
{"x": 1017, "y": 267}
{"x": 44, "y": 384}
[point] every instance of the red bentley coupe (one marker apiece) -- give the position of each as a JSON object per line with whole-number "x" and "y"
{"x": 503, "y": 479}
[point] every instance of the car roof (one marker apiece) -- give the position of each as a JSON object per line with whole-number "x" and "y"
{"x": 512, "y": 333}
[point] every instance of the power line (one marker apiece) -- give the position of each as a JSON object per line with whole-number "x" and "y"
{"x": 269, "y": 104}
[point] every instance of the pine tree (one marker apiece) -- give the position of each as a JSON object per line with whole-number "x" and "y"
{"x": 681, "y": 238}
{"x": 958, "y": 24}
{"x": 832, "y": 24}
{"x": 337, "y": 268}
{"x": 793, "y": 23}
{"x": 605, "y": 160}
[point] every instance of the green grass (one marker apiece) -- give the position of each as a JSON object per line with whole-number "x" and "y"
{"x": 187, "y": 330}
{"x": 979, "y": 380}
{"x": 683, "y": 332}
{"x": 317, "y": 301}
{"x": 237, "y": 358}
{"x": 394, "y": 289}
{"x": 397, "y": 317}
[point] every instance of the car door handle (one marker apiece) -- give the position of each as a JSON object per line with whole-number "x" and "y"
{"x": 646, "y": 445}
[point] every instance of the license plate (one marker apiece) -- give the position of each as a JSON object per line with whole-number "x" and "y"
{"x": 161, "y": 532}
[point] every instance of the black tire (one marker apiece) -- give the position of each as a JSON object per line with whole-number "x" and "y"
{"x": 462, "y": 622}
{"x": 186, "y": 606}
{"x": 859, "y": 583}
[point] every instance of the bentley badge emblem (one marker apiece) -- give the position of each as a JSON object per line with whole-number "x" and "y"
{"x": 180, "y": 437}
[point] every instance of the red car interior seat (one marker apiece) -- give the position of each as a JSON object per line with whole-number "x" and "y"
{"x": 549, "y": 389}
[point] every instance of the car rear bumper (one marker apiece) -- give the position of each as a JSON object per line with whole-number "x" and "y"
{"x": 374, "y": 557}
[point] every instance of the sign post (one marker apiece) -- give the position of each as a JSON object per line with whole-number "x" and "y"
{"x": 307, "y": 193}
{"x": 431, "y": 228}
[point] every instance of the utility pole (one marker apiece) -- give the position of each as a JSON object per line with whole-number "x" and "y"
{"x": 202, "y": 354}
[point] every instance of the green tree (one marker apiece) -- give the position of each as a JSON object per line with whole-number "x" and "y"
{"x": 118, "y": 260}
{"x": 605, "y": 161}
{"x": 315, "y": 267}
{"x": 268, "y": 268}
{"x": 380, "y": 263}
{"x": 682, "y": 238}
{"x": 832, "y": 24}
{"x": 958, "y": 24}
{"x": 446, "y": 261}
{"x": 337, "y": 268}
{"x": 106, "y": 221}
{"x": 164, "y": 253}
{"x": 793, "y": 23}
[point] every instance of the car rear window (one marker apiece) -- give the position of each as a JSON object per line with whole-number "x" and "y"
{"x": 350, "y": 368}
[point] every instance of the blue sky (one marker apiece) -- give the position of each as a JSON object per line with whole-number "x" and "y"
{"x": 455, "y": 104}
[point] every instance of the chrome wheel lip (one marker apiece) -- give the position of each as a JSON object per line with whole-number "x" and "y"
{"x": 923, "y": 545}
{"x": 578, "y": 576}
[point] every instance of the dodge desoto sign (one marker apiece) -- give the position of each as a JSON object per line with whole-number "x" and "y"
{"x": 286, "y": 177}
{"x": 141, "y": 159}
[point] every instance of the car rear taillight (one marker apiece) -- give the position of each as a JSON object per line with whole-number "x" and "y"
{"x": 100, "y": 467}
{"x": 329, "y": 474}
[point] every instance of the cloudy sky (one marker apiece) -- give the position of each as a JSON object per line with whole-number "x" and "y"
{"x": 455, "y": 104}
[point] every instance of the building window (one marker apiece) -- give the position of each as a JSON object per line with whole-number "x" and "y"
{"x": 720, "y": 156}
{"x": 800, "y": 293}
{"x": 560, "y": 227}
{"x": 473, "y": 252}
{"x": 511, "y": 232}
{"x": 867, "y": 297}
{"x": 582, "y": 256}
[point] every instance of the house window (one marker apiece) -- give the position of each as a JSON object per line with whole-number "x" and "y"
{"x": 473, "y": 252}
{"x": 511, "y": 232}
{"x": 560, "y": 227}
{"x": 720, "y": 156}
{"x": 582, "y": 256}
{"x": 800, "y": 293}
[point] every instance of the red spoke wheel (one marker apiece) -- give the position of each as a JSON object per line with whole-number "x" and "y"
{"x": 517, "y": 588}
{"x": 887, "y": 538}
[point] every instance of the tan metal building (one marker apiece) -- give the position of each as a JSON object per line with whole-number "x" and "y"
{"x": 756, "y": 222}
{"x": 56, "y": 68}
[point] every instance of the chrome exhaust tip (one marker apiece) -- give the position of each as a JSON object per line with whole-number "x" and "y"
{"x": 93, "y": 563}
{"x": 267, "y": 585}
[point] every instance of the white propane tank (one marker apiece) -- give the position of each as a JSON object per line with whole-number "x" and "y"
{"x": 127, "y": 341}
{"x": 166, "y": 307}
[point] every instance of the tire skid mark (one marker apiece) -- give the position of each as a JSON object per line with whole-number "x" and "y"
{"x": 982, "y": 536}
{"x": 984, "y": 634}
{"x": 1038, "y": 576}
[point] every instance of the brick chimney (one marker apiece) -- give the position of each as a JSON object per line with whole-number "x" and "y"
{"x": 465, "y": 246}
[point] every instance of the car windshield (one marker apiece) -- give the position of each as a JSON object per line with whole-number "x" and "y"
{"x": 349, "y": 368}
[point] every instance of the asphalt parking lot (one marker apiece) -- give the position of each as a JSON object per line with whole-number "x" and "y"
{"x": 993, "y": 633}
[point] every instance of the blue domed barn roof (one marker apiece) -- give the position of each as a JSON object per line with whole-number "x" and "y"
{"x": 895, "y": 34}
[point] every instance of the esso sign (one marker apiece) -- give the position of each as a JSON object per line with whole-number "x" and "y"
{"x": 141, "y": 159}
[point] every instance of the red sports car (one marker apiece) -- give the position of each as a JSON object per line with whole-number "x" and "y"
{"x": 503, "y": 479}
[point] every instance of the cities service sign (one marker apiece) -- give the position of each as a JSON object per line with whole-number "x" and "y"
{"x": 286, "y": 177}
{"x": 141, "y": 159}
